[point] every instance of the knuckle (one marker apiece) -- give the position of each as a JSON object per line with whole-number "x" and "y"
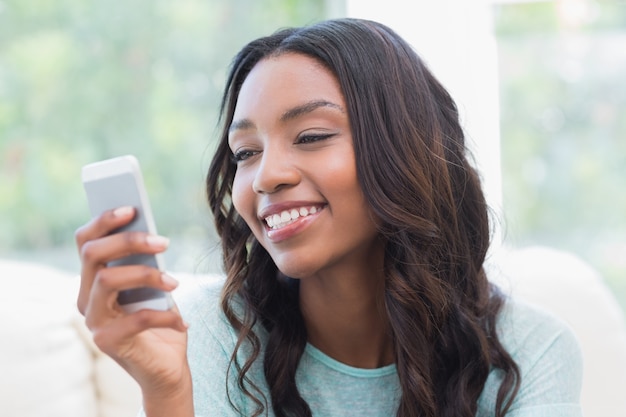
{"x": 88, "y": 252}
{"x": 143, "y": 319}
{"x": 88, "y": 231}
{"x": 147, "y": 272}
{"x": 81, "y": 304}
{"x": 80, "y": 235}
{"x": 100, "y": 338}
{"x": 134, "y": 239}
{"x": 89, "y": 323}
{"x": 105, "y": 278}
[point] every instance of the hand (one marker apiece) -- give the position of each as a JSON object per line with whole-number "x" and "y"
{"x": 150, "y": 345}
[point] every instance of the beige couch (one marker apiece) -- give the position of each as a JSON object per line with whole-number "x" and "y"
{"x": 48, "y": 365}
{"x": 50, "y": 368}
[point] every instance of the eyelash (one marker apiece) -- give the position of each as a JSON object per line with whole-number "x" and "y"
{"x": 244, "y": 154}
{"x": 310, "y": 138}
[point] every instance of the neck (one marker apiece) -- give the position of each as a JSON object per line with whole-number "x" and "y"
{"x": 345, "y": 317}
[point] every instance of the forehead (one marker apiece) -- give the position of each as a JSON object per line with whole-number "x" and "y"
{"x": 279, "y": 83}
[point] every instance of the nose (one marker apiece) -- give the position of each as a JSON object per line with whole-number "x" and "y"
{"x": 276, "y": 170}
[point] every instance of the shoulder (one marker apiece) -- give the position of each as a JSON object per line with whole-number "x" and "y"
{"x": 549, "y": 357}
{"x": 211, "y": 342}
{"x": 534, "y": 336}
{"x": 198, "y": 297}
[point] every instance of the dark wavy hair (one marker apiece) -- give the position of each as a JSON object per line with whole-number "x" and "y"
{"x": 414, "y": 169}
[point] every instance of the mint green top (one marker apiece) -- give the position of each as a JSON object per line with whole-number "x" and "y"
{"x": 544, "y": 347}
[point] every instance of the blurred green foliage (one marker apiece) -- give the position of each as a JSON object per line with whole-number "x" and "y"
{"x": 563, "y": 129}
{"x": 86, "y": 80}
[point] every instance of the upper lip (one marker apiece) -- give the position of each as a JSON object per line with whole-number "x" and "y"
{"x": 278, "y": 208}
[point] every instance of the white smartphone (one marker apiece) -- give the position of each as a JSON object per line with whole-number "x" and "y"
{"x": 118, "y": 182}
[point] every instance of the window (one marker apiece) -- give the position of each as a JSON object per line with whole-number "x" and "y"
{"x": 83, "y": 81}
{"x": 563, "y": 128}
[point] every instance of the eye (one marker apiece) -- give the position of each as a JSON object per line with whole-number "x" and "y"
{"x": 312, "y": 137}
{"x": 242, "y": 155}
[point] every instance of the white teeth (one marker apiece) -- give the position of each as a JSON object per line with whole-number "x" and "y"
{"x": 276, "y": 221}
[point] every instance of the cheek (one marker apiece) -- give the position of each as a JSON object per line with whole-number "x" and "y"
{"x": 346, "y": 193}
{"x": 242, "y": 196}
{"x": 340, "y": 174}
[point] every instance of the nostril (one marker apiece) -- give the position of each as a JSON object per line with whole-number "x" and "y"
{"x": 273, "y": 177}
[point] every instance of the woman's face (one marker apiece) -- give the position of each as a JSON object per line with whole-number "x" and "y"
{"x": 296, "y": 184}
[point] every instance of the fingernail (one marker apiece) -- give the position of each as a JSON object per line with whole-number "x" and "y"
{"x": 123, "y": 211}
{"x": 158, "y": 242}
{"x": 169, "y": 280}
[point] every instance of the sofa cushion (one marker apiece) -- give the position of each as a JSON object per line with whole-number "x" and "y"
{"x": 565, "y": 285}
{"x": 46, "y": 367}
{"x": 117, "y": 393}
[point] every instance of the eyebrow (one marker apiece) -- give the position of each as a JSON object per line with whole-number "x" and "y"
{"x": 289, "y": 114}
{"x": 308, "y": 108}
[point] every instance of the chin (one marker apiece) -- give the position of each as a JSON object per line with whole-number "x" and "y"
{"x": 294, "y": 268}
{"x": 295, "y": 273}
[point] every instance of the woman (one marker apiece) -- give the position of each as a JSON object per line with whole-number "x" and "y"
{"x": 354, "y": 232}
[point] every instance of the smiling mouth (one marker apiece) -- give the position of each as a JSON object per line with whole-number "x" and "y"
{"x": 286, "y": 217}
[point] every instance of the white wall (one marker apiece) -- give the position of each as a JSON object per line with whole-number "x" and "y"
{"x": 456, "y": 39}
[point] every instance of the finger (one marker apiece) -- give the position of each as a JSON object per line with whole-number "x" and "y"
{"x": 121, "y": 331}
{"x": 119, "y": 245}
{"x": 95, "y": 254}
{"x": 121, "y": 278}
{"x": 102, "y": 303}
{"x": 96, "y": 228}
{"x": 104, "y": 224}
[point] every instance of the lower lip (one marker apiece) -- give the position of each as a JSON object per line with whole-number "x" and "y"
{"x": 278, "y": 235}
